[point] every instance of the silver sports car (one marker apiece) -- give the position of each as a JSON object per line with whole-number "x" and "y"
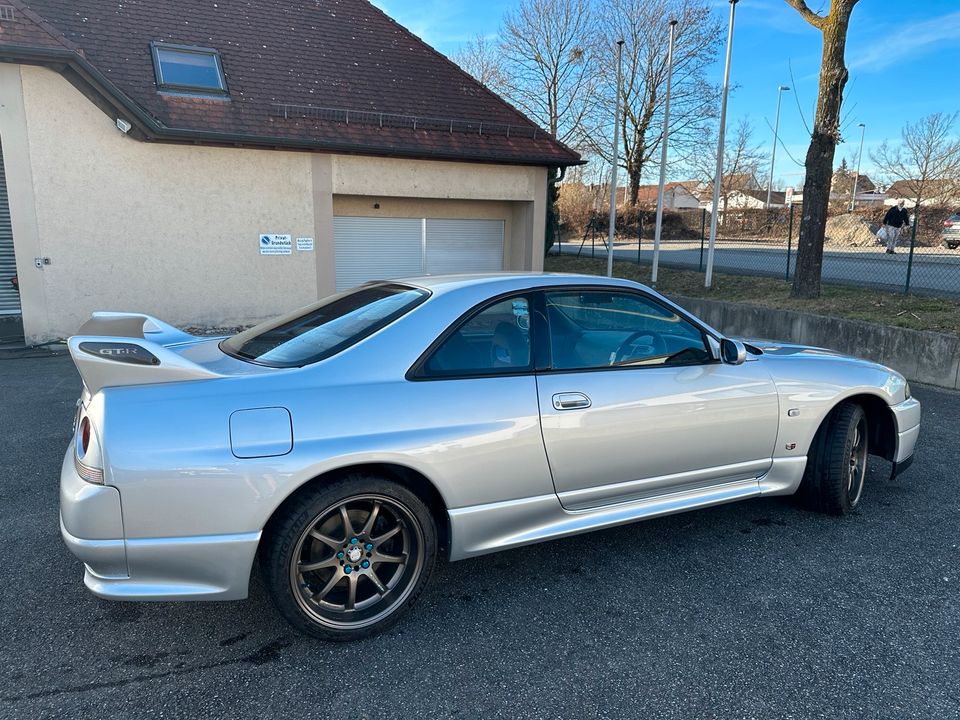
{"x": 348, "y": 444}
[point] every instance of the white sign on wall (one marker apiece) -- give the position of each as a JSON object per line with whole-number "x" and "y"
{"x": 304, "y": 244}
{"x": 275, "y": 244}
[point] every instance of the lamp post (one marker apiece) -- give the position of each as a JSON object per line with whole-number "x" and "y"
{"x": 856, "y": 178}
{"x": 663, "y": 158}
{"x": 616, "y": 161}
{"x": 708, "y": 280}
{"x": 773, "y": 153}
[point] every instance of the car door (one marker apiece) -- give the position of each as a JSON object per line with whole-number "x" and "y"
{"x": 474, "y": 396}
{"x": 634, "y": 405}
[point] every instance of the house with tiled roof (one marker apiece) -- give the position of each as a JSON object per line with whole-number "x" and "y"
{"x": 935, "y": 192}
{"x": 676, "y": 196}
{"x": 217, "y": 163}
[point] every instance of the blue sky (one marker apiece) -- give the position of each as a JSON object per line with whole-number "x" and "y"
{"x": 903, "y": 59}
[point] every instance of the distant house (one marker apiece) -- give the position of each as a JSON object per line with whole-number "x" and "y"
{"x": 935, "y": 192}
{"x": 748, "y": 200}
{"x": 675, "y": 197}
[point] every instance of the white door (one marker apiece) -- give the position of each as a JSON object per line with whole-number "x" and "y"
{"x": 379, "y": 248}
{"x": 457, "y": 246}
{"x": 9, "y": 299}
{"x": 375, "y": 248}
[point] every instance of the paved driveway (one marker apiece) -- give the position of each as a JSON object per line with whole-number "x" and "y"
{"x": 756, "y": 610}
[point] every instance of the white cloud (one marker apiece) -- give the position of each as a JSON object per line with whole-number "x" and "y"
{"x": 906, "y": 41}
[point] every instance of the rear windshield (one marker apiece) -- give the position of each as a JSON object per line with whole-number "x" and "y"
{"x": 320, "y": 331}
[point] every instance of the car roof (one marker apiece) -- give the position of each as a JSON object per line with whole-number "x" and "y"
{"x": 507, "y": 281}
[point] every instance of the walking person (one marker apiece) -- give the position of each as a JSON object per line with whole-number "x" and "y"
{"x": 894, "y": 221}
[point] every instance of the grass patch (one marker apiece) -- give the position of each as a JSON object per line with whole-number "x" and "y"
{"x": 916, "y": 313}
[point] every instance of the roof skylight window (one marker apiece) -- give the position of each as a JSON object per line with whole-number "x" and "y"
{"x": 186, "y": 68}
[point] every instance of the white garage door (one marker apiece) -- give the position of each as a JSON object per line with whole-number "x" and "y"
{"x": 376, "y": 248}
{"x": 9, "y": 300}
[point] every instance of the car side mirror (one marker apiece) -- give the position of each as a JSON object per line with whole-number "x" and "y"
{"x": 732, "y": 352}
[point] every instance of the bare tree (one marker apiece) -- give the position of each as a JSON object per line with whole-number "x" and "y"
{"x": 547, "y": 66}
{"x": 642, "y": 24}
{"x": 482, "y": 59}
{"x": 742, "y": 160}
{"x": 823, "y": 142}
{"x": 927, "y": 160}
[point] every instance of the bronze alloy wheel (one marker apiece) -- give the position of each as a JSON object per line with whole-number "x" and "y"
{"x": 858, "y": 462}
{"x": 357, "y": 561}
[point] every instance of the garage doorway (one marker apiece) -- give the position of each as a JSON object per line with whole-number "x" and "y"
{"x": 379, "y": 248}
{"x": 9, "y": 297}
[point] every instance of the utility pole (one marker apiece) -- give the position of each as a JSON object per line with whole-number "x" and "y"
{"x": 718, "y": 178}
{"x": 663, "y": 157}
{"x": 856, "y": 178}
{"x": 773, "y": 153}
{"x": 616, "y": 161}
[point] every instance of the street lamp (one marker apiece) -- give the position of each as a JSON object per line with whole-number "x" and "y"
{"x": 856, "y": 178}
{"x": 663, "y": 158}
{"x": 616, "y": 161}
{"x": 711, "y": 246}
{"x": 773, "y": 153}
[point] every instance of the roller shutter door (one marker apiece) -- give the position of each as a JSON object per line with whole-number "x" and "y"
{"x": 455, "y": 246}
{"x": 9, "y": 300}
{"x": 370, "y": 248}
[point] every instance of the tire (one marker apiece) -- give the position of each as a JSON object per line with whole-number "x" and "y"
{"x": 837, "y": 462}
{"x": 345, "y": 582}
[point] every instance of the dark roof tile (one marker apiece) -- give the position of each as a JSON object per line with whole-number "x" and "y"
{"x": 321, "y": 53}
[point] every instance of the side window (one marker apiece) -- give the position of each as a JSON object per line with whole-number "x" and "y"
{"x": 596, "y": 328}
{"x": 496, "y": 340}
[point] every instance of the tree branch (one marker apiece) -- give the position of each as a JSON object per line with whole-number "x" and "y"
{"x": 818, "y": 21}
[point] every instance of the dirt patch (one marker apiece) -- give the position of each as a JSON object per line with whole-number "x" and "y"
{"x": 849, "y": 230}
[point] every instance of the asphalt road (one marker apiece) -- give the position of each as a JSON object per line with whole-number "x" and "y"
{"x": 754, "y": 610}
{"x": 932, "y": 273}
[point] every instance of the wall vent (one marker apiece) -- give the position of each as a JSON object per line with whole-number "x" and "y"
{"x": 7, "y": 13}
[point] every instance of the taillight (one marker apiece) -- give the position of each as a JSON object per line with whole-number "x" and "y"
{"x": 84, "y": 436}
{"x": 88, "y": 460}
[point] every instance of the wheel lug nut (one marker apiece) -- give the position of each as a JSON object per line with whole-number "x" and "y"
{"x": 365, "y": 564}
{"x": 368, "y": 547}
{"x": 353, "y": 541}
{"x": 340, "y": 555}
{"x": 348, "y": 569}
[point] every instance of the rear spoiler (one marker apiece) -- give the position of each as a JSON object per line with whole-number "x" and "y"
{"x": 115, "y": 349}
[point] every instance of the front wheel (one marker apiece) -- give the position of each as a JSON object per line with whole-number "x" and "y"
{"x": 348, "y": 559}
{"x": 837, "y": 462}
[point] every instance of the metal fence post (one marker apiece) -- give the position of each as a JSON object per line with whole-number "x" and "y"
{"x": 703, "y": 227}
{"x": 789, "y": 243}
{"x": 639, "y": 234}
{"x": 913, "y": 242}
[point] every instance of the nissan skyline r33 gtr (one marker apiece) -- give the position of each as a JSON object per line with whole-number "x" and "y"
{"x": 348, "y": 445}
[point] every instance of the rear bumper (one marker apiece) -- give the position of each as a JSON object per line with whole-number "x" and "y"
{"x": 202, "y": 567}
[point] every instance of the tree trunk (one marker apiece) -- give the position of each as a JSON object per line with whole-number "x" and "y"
{"x": 820, "y": 154}
{"x": 634, "y": 186}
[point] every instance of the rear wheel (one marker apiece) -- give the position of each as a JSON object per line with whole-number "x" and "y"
{"x": 837, "y": 462}
{"x": 348, "y": 559}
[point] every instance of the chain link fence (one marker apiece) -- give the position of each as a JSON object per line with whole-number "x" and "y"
{"x": 925, "y": 261}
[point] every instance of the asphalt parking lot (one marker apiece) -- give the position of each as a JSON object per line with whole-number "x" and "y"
{"x": 754, "y": 610}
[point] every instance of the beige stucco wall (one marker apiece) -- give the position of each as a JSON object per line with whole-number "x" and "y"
{"x": 172, "y": 230}
{"x": 165, "y": 229}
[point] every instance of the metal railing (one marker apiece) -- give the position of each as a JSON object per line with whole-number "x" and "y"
{"x": 289, "y": 111}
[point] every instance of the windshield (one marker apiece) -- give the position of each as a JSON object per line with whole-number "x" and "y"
{"x": 319, "y": 331}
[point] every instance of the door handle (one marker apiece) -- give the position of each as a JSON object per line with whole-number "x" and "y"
{"x": 570, "y": 401}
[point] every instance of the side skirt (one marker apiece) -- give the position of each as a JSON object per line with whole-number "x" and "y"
{"x": 482, "y": 529}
